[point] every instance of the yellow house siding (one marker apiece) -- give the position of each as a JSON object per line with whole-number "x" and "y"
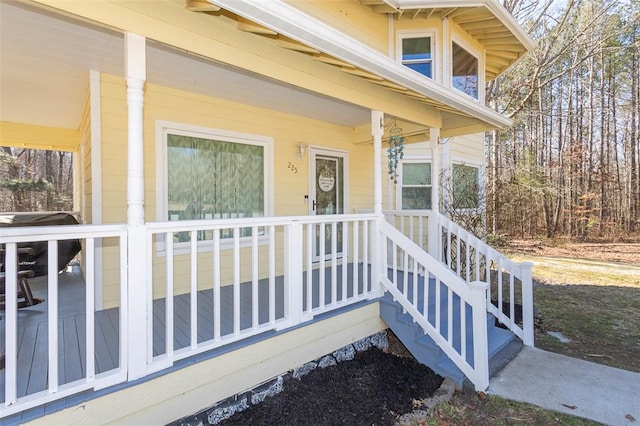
{"x": 113, "y": 119}
{"x": 467, "y": 148}
{"x": 352, "y": 18}
{"x": 85, "y": 163}
{"x": 196, "y": 387}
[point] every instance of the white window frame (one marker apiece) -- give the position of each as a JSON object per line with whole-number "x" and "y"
{"x": 403, "y": 34}
{"x": 400, "y": 186}
{"x": 480, "y": 176}
{"x": 164, "y": 128}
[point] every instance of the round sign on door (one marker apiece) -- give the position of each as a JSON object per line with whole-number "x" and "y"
{"x": 326, "y": 183}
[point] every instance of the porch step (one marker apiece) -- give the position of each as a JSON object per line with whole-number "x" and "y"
{"x": 426, "y": 351}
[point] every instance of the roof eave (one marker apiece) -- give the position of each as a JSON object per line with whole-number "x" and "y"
{"x": 299, "y": 26}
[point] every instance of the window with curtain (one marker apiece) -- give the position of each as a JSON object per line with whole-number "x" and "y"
{"x": 465, "y": 71}
{"x": 214, "y": 179}
{"x": 466, "y": 186}
{"x": 417, "y": 54}
{"x": 415, "y": 186}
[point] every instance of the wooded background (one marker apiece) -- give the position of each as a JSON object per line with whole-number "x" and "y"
{"x": 568, "y": 166}
{"x": 35, "y": 180}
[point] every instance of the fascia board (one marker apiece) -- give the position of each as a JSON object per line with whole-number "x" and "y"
{"x": 293, "y": 23}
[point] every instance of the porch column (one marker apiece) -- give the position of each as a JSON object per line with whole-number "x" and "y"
{"x": 136, "y": 296}
{"x": 434, "y": 240}
{"x": 136, "y": 74}
{"x": 377, "y": 130}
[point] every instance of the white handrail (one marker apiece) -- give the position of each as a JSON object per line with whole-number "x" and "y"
{"x": 467, "y": 256}
{"x": 471, "y": 254}
{"x": 416, "y": 260}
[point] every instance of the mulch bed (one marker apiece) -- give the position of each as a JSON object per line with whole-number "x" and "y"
{"x": 375, "y": 388}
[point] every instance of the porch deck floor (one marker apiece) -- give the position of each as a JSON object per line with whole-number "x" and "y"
{"x": 32, "y": 374}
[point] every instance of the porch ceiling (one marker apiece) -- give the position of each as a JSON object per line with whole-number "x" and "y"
{"x": 46, "y": 59}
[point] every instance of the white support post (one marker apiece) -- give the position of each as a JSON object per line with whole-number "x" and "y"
{"x": 96, "y": 184}
{"x": 293, "y": 275}
{"x": 137, "y": 290}
{"x": 135, "y": 72}
{"x": 377, "y": 131}
{"x": 480, "y": 338}
{"x": 527, "y": 303}
{"x": 434, "y": 227}
{"x": 11, "y": 325}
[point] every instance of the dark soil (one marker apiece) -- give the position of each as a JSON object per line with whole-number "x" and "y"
{"x": 375, "y": 388}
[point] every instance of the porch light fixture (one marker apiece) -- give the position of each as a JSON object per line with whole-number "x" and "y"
{"x": 302, "y": 148}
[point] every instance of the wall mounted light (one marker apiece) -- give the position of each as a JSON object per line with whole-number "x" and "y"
{"x": 302, "y": 148}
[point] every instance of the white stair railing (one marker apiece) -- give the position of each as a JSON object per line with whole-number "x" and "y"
{"x": 419, "y": 283}
{"x": 510, "y": 293}
{"x": 510, "y": 288}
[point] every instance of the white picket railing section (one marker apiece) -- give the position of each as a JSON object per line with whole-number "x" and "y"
{"x": 409, "y": 279}
{"x": 244, "y": 259}
{"x": 90, "y": 236}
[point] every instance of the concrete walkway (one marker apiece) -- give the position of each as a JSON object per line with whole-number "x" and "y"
{"x": 556, "y": 382}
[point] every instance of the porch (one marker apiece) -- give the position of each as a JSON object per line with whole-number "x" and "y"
{"x": 276, "y": 264}
{"x": 32, "y": 334}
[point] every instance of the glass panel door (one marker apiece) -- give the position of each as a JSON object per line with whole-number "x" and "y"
{"x": 327, "y": 196}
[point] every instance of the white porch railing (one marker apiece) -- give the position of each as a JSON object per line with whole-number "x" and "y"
{"x": 211, "y": 283}
{"x": 420, "y": 283}
{"x": 247, "y": 276}
{"x": 259, "y": 274}
{"x": 16, "y": 344}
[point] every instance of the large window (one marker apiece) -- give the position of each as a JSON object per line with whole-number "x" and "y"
{"x": 417, "y": 54}
{"x": 465, "y": 71}
{"x": 213, "y": 174}
{"x": 466, "y": 186}
{"x": 415, "y": 185}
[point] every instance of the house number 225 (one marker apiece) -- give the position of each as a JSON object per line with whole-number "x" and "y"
{"x": 292, "y": 167}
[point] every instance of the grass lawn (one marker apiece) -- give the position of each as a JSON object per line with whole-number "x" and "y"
{"x": 588, "y": 292}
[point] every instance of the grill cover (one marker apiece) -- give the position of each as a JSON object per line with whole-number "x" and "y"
{"x": 38, "y": 261}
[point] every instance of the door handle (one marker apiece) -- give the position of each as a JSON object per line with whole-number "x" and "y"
{"x": 313, "y": 206}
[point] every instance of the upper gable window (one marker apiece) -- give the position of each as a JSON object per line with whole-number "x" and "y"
{"x": 465, "y": 71}
{"x": 416, "y": 52}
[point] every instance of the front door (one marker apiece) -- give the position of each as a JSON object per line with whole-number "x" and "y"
{"x": 327, "y": 195}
